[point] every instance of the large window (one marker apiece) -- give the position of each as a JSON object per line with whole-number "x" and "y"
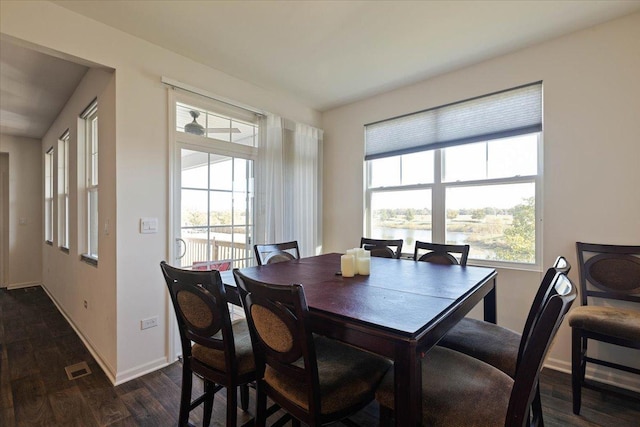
{"x": 216, "y": 146}
{"x": 63, "y": 191}
{"x": 465, "y": 173}
{"x": 90, "y": 117}
{"x": 48, "y": 196}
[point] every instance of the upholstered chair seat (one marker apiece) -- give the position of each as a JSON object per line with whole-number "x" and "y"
{"x": 347, "y": 377}
{"x": 612, "y": 321}
{"x": 244, "y": 351}
{"x": 493, "y": 344}
{"x": 456, "y": 390}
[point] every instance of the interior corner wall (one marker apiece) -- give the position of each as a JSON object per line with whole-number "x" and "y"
{"x": 591, "y": 105}
{"x": 25, "y": 210}
{"x": 137, "y": 183}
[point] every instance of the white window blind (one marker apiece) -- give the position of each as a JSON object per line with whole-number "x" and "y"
{"x": 510, "y": 112}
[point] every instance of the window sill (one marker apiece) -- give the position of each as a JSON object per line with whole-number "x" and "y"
{"x": 63, "y": 249}
{"x": 89, "y": 259}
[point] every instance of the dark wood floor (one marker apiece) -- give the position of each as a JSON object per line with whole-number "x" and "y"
{"x": 36, "y": 345}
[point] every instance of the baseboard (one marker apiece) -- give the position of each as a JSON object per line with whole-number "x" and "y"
{"x": 141, "y": 370}
{"x": 106, "y": 368}
{"x": 13, "y": 286}
{"x": 601, "y": 374}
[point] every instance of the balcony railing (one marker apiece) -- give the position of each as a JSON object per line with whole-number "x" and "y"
{"x": 215, "y": 253}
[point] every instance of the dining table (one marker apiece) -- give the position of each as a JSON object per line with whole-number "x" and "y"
{"x": 400, "y": 310}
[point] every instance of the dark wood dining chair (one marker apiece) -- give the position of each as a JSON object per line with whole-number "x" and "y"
{"x": 276, "y": 252}
{"x": 441, "y": 254}
{"x": 499, "y": 346}
{"x": 608, "y": 273}
{"x": 460, "y": 390}
{"x": 213, "y": 347}
{"x": 382, "y": 248}
{"x": 315, "y": 379}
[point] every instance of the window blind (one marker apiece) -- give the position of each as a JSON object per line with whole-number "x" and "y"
{"x": 510, "y": 112}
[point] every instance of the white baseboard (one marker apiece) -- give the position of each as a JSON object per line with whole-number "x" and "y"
{"x": 600, "y": 374}
{"x": 106, "y": 367}
{"x": 141, "y": 370}
{"x": 12, "y": 286}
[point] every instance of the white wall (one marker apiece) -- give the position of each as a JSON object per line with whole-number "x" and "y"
{"x": 139, "y": 162}
{"x": 25, "y": 202}
{"x": 69, "y": 280}
{"x": 591, "y": 153}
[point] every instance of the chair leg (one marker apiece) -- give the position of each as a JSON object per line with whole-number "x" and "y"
{"x": 232, "y": 406}
{"x": 185, "y": 395}
{"x": 244, "y": 397}
{"x": 577, "y": 370}
{"x": 209, "y": 390}
{"x": 386, "y": 414}
{"x": 261, "y": 406}
{"x": 536, "y": 408}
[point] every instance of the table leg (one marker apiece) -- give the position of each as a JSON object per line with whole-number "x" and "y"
{"x": 408, "y": 387}
{"x": 490, "y": 310}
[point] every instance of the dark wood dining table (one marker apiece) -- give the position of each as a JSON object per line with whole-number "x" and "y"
{"x": 399, "y": 311}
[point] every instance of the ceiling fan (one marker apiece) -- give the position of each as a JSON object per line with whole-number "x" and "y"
{"x": 196, "y": 128}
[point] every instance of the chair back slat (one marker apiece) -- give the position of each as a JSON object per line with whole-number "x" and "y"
{"x": 545, "y": 291}
{"x": 199, "y": 301}
{"x": 278, "y": 318}
{"x": 276, "y": 252}
{"x": 563, "y": 293}
{"x": 440, "y": 253}
{"x": 382, "y": 248}
{"x": 609, "y": 272}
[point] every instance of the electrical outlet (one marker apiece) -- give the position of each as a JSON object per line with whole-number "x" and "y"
{"x": 85, "y": 304}
{"x": 149, "y": 323}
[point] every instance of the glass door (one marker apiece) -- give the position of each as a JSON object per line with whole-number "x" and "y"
{"x": 216, "y": 221}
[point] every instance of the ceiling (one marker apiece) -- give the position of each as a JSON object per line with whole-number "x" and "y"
{"x": 329, "y": 53}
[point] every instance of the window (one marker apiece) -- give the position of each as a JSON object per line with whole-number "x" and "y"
{"x": 464, "y": 173}
{"x": 48, "y": 196}
{"x": 90, "y": 117}
{"x": 63, "y": 191}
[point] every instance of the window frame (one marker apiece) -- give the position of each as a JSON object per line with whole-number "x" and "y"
{"x": 63, "y": 191}
{"x": 438, "y": 194}
{"x": 48, "y": 195}
{"x": 91, "y": 156}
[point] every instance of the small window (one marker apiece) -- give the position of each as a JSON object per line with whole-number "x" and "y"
{"x": 63, "y": 190}
{"x": 90, "y": 117}
{"x": 48, "y": 196}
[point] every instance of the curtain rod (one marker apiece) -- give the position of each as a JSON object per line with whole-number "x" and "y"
{"x": 192, "y": 89}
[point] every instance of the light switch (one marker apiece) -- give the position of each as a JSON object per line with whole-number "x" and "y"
{"x": 148, "y": 225}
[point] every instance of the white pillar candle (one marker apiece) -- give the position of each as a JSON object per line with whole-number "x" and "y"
{"x": 347, "y": 265}
{"x": 364, "y": 265}
{"x": 354, "y": 254}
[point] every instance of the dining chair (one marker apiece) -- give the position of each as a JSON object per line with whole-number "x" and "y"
{"x": 276, "y": 252}
{"x": 315, "y": 379}
{"x": 608, "y": 273}
{"x": 213, "y": 347}
{"x": 382, "y": 248}
{"x": 499, "y": 346}
{"x": 440, "y": 254}
{"x": 460, "y": 390}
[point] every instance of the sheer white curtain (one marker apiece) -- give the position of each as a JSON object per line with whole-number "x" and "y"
{"x": 289, "y": 184}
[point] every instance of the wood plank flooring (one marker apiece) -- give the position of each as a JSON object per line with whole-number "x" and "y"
{"x": 36, "y": 344}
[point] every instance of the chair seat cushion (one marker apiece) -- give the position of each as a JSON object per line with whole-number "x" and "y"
{"x": 348, "y": 377}
{"x": 457, "y": 390}
{"x": 486, "y": 341}
{"x": 244, "y": 351}
{"x": 612, "y": 321}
